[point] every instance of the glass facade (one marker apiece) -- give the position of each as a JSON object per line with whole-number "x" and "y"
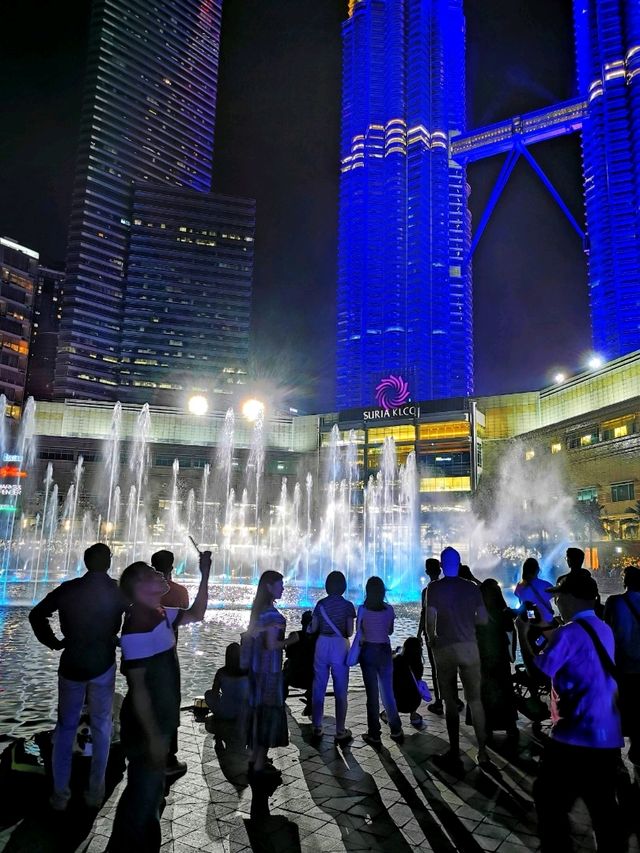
{"x": 148, "y": 118}
{"x": 44, "y": 338}
{"x": 188, "y": 294}
{"x": 404, "y": 278}
{"x": 608, "y": 57}
{"x": 18, "y": 272}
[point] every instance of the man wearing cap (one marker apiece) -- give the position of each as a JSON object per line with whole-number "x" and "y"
{"x": 583, "y": 754}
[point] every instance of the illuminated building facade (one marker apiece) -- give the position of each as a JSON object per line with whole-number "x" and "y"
{"x": 147, "y": 121}
{"x": 608, "y": 57}
{"x": 188, "y": 294}
{"x": 404, "y": 278}
{"x": 18, "y": 272}
{"x": 47, "y": 311}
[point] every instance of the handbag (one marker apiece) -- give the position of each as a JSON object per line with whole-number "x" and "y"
{"x": 422, "y": 687}
{"x": 353, "y": 655}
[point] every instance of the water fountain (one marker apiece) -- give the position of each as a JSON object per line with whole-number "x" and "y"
{"x": 312, "y": 527}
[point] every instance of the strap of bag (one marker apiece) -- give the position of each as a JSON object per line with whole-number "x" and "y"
{"x": 326, "y": 618}
{"x": 631, "y": 607}
{"x": 544, "y": 603}
{"x": 607, "y": 663}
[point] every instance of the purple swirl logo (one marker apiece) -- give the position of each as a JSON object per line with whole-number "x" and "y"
{"x": 391, "y": 392}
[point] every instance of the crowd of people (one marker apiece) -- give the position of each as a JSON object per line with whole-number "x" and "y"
{"x": 586, "y": 656}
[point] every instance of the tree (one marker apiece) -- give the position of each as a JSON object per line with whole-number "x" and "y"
{"x": 634, "y": 521}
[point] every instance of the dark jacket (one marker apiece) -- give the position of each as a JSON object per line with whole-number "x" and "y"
{"x": 90, "y": 610}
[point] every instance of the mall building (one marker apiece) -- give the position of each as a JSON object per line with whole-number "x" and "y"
{"x": 589, "y": 423}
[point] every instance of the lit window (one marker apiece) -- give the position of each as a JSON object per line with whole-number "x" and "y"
{"x": 586, "y": 440}
{"x": 622, "y": 492}
{"x": 529, "y": 454}
{"x": 556, "y": 448}
{"x": 621, "y": 431}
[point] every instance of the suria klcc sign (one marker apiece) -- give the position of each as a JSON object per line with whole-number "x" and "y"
{"x": 392, "y": 397}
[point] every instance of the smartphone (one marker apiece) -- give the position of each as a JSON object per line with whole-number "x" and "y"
{"x": 531, "y": 615}
{"x": 195, "y": 544}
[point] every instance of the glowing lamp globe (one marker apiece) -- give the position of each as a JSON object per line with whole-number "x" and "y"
{"x": 198, "y": 405}
{"x": 559, "y": 378}
{"x": 253, "y": 409}
{"x": 595, "y": 362}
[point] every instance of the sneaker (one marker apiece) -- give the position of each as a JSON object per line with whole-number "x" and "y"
{"x": 176, "y": 768}
{"x": 344, "y": 737}
{"x": 449, "y": 763}
{"x": 316, "y": 731}
{"x": 397, "y": 737}
{"x": 436, "y": 707}
{"x": 417, "y": 721}
{"x": 372, "y": 740}
{"x": 59, "y": 802}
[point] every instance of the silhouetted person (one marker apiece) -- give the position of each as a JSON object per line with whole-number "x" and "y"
{"x": 583, "y": 753}
{"x": 433, "y": 571}
{"x": 268, "y": 727}
{"x": 176, "y": 596}
{"x": 229, "y": 693}
{"x": 531, "y": 590}
{"x": 575, "y": 559}
{"x": 150, "y": 711}
{"x": 496, "y": 644}
{"x": 298, "y": 667}
{"x": 466, "y": 573}
{"x": 454, "y": 608}
{"x": 376, "y": 620}
{"x": 408, "y": 670}
{"x": 622, "y": 614}
{"x": 90, "y": 609}
{"x": 333, "y": 619}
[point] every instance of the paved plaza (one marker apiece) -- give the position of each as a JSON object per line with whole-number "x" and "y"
{"x": 333, "y": 800}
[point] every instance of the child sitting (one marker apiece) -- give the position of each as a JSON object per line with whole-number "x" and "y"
{"x": 229, "y": 693}
{"x": 407, "y": 671}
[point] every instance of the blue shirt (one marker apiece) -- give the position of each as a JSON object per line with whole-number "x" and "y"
{"x": 626, "y": 630}
{"x": 584, "y": 710}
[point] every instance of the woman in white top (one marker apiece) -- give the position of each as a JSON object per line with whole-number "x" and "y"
{"x": 375, "y": 620}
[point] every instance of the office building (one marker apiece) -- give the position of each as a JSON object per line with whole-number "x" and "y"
{"x": 44, "y": 335}
{"x": 608, "y": 58}
{"x": 18, "y": 272}
{"x": 188, "y": 295}
{"x": 404, "y": 277}
{"x": 148, "y": 119}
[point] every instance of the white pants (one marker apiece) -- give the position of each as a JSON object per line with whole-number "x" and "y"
{"x": 330, "y": 658}
{"x": 71, "y": 698}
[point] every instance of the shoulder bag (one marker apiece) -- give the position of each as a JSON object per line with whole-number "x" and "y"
{"x": 353, "y": 655}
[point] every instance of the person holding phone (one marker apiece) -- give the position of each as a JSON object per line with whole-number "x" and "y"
{"x": 150, "y": 711}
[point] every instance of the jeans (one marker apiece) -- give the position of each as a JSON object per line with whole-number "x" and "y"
{"x": 330, "y": 657}
{"x": 71, "y": 698}
{"x": 377, "y": 673}
{"x": 566, "y": 773}
{"x": 136, "y": 826}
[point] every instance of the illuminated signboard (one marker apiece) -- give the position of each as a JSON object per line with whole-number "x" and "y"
{"x": 392, "y": 392}
{"x": 10, "y": 489}
{"x": 12, "y": 457}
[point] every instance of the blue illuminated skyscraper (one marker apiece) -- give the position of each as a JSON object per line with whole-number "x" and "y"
{"x": 608, "y": 53}
{"x": 404, "y": 279}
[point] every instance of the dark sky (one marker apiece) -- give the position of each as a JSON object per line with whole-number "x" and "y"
{"x": 277, "y": 141}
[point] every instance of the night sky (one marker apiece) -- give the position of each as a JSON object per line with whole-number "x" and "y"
{"x": 277, "y": 141}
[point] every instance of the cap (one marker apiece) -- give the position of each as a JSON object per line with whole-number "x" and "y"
{"x": 579, "y": 583}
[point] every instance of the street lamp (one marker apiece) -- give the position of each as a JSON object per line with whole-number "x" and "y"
{"x": 559, "y": 378}
{"x": 253, "y": 409}
{"x": 595, "y": 362}
{"x": 198, "y": 405}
